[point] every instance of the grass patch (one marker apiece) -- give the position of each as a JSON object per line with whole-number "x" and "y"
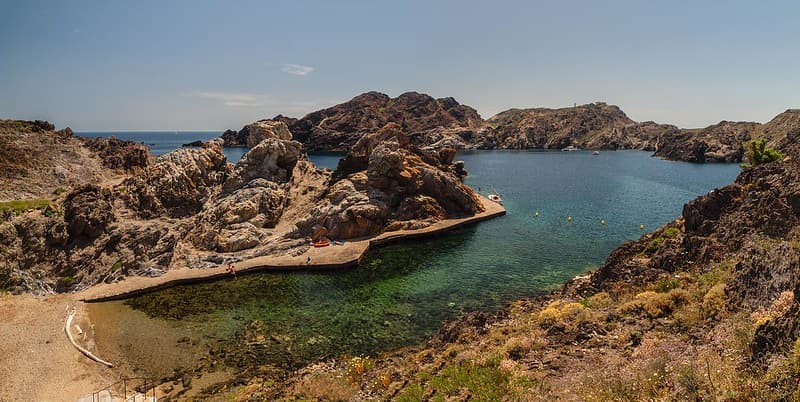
{"x": 412, "y": 393}
{"x": 666, "y": 284}
{"x": 654, "y": 244}
{"x": 20, "y": 206}
{"x": 486, "y": 383}
{"x": 671, "y": 232}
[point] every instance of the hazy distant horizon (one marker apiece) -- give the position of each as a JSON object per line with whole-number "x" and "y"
{"x": 208, "y": 65}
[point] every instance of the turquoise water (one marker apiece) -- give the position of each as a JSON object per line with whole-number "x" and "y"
{"x": 403, "y": 292}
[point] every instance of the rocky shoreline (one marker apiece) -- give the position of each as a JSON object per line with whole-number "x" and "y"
{"x": 442, "y": 122}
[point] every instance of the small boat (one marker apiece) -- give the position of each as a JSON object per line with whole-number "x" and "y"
{"x": 495, "y": 196}
{"x": 321, "y": 243}
{"x": 571, "y": 148}
{"x": 596, "y": 153}
{"x": 338, "y": 242}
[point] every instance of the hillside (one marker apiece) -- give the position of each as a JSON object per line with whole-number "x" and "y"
{"x": 592, "y": 126}
{"x": 339, "y": 127}
{"x": 36, "y": 161}
{"x": 441, "y": 122}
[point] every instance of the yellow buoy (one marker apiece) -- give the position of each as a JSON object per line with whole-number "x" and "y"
{"x": 569, "y": 219}
{"x": 641, "y": 227}
{"x": 602, "y": 221}
{"x": 536, "y": 214}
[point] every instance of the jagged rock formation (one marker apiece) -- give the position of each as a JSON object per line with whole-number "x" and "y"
{"x": 179, "y": 182}
{"x": 36, "y": 161}
{"x": 384, "y": 183}
{"x": 191, "y": 209}
{"x": 425, "y": 119}
{"x": 119, "y": 154}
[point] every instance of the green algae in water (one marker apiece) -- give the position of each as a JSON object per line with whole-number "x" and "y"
{"x": 403, "y": 292}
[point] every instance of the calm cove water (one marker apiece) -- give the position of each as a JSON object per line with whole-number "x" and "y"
{"x": 403, "y": 292}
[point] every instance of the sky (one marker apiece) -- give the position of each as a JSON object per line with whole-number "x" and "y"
{"x": 213, "y": 65}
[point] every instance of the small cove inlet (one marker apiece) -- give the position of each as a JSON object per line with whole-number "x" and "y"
{"x": 402, "y": 293}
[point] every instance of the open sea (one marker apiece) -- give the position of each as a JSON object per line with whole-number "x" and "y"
{"x": 403, "y": 292}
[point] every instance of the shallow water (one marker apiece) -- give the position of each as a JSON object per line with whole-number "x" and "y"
{"x": 403, "y": 292}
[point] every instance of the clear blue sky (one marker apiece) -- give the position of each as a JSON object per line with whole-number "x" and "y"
{"x": 141, "y": 65}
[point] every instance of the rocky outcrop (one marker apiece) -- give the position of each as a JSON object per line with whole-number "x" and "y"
{"x": 37, "y": 162}
{"x": 723, "y": 142}
{"x": 596, "y": 125}
{"x": 273, "y": 158}
{"x": 419, "y": 116}
{"x": 191, "y": 209}
{"x": 385, "y": 183}
{"x": 87, "y": 212}
{"x": 253, "y": 133}
{"x": 117, "y": 154}
{"x": 783, "y": 131}
{"x": 179, "y": 182}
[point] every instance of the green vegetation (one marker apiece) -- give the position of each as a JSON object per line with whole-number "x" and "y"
{"x": 671, "y": 232}
{"x": 59, "y": 191}
{"x": 117, "y": 265}
{"x": 20, "y": 206}
{"x": 758, "y": 153}
{"x": 654, "y": 244}
{"x": 485, "y": 382}
{"x": 666, "y": 284}
{"x": 412, "y": 393}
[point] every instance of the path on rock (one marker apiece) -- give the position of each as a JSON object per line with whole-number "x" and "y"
{"x": 334, "y": 256}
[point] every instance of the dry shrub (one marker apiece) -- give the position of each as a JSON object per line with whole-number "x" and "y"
{"x": 558, "y": 312}
{"x": 778, "y": 308}
{"x": 599, "y": 300}
{"x": 326, "y": 387}
{"x": 654, "y": 305}
{"x": 518, "y": 347}
{"x": 714, "y": 301}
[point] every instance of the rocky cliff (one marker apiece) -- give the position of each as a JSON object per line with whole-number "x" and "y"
{"x": 385, "y": 183}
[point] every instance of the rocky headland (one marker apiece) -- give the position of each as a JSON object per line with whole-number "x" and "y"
{"x": 430, "y": 122}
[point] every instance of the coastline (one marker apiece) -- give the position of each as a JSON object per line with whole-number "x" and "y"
{"x": 332, "y": 257}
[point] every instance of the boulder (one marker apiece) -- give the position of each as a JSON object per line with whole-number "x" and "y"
{"x": 87, "y": 213}
{"x": 272, "y": 159}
